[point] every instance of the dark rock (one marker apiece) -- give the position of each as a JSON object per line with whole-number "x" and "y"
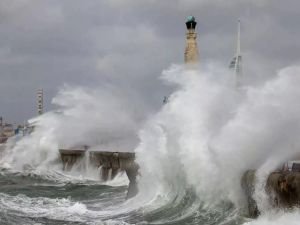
{"x": 284, "y": 189}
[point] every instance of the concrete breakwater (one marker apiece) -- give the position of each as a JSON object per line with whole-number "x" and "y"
{"x": 282, "y": 187}
{"x": 248, "y": 184}
{"x": 111, "y": 163}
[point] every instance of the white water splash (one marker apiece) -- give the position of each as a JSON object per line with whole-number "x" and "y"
{"x": 209, "y": 134}
{"x": 103, "y": 119}
{"x": 277, "y": 218}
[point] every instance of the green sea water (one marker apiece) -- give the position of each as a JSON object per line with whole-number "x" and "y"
{"x": 54, "y": 198}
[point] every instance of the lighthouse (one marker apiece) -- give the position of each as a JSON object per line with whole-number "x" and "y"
{"x": 191, "y": 55}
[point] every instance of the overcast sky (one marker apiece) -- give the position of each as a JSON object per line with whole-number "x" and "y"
{"x": 127, "y": 43}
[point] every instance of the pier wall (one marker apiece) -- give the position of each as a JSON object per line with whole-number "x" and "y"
{"x": 111, "y": 163}
{"x": 70, "y": 157}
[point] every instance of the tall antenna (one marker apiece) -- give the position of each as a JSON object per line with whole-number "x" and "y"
{"x": 236, "y": 62}
{"x": 238, "y": 48}
{"x": 40, "y": 102}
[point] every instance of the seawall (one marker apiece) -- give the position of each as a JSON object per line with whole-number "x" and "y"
{"x": 111, "y": 163}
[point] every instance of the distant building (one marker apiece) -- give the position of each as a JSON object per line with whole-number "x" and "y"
{"x": 6, "y": 131}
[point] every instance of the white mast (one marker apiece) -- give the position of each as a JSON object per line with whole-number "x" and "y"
{"x": 239, "y": 38}
{"x": 236, "y": 62}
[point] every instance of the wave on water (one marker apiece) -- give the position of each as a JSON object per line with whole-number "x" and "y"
{"x": 278, "y": 217}
{"x": 192, "y": 153}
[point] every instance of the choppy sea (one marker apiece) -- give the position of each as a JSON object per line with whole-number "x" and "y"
{"x": 32, "y": 197}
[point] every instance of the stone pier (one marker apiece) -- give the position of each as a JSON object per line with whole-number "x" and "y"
{"x": 70, "y": 157}
{"x": 110, "y": 163}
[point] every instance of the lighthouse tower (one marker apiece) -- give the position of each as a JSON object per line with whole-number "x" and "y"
{"x": 191, "y": 55}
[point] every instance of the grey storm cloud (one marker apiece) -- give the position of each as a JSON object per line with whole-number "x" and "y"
{"x": 127, "y": 43}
